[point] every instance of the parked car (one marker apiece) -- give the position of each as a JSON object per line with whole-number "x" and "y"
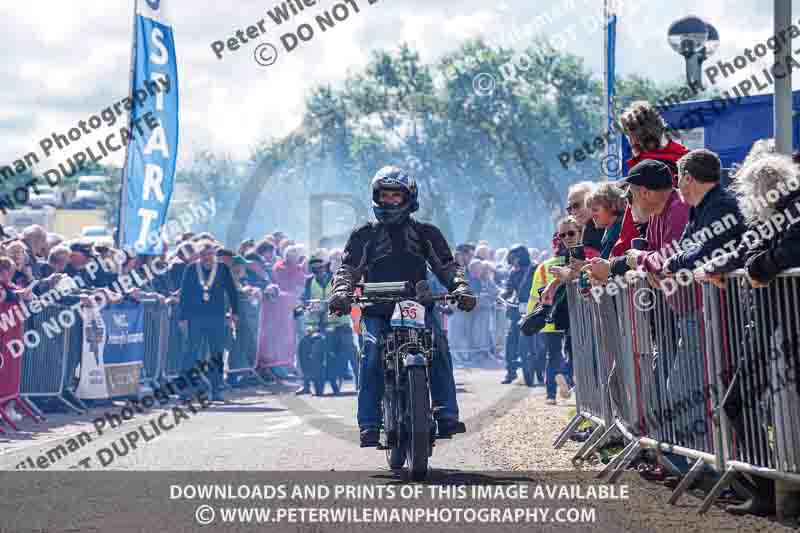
{"x": 90, "y": 193}
{"x": 47, "y": 196}
{"x": 21, "y": 218}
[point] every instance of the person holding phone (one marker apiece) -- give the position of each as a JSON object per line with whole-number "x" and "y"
{"x": 568, "y": 235}
{"x": 577, "y": 208}
{"x": 516, "y": 290}
{"x": 607, "y": 204}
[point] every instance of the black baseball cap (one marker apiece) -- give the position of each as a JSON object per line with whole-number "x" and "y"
{"x": 81, "y": 247}
{"x": 650, "y": 174}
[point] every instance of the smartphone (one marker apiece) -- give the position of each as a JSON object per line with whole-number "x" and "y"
{"x": 577, "y": 252}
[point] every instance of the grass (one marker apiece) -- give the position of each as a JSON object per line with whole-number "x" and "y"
{"x": 571, "y": 412}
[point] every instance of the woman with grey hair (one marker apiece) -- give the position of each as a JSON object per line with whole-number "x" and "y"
{"x": 607, "y": 204}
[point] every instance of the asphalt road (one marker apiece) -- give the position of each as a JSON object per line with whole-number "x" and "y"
{"x": 261, "y": 428}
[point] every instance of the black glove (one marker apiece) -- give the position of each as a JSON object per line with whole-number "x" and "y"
{"x": 339, "y": 303}
{"x": 466, "y": 300}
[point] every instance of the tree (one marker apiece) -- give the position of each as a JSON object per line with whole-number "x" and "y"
{"x": 465, "y": 147}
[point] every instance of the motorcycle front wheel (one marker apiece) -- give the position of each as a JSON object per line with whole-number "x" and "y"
{"x": 419, "y": 418}
{"x": 396, "y": 453}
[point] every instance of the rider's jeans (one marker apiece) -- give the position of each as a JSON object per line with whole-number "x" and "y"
{"x": 443, "y": 385}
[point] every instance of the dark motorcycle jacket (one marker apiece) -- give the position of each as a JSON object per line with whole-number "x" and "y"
{"x": 379, "y": 252}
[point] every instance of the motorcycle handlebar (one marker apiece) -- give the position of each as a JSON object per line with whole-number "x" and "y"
{"x": 444, "y": 297}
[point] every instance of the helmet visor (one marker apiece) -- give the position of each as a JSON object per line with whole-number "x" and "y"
{"x": 391, "y": 197}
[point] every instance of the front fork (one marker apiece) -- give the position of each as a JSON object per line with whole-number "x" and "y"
{"x": 391, "y": 399}
{"x": 395, "y": 402}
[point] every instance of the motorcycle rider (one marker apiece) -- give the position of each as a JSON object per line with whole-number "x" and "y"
{"x": 398, "y": 248}
{"x": 338, "y": 334}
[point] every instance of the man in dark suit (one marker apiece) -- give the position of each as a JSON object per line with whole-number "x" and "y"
{"x": 201, "y": 311}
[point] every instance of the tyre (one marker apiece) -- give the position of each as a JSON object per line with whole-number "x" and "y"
{"x": 397, "y": 453}
{"x": 419, "y": 412}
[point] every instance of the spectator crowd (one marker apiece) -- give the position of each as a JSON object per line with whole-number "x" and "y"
{"x": 670, "y": 214}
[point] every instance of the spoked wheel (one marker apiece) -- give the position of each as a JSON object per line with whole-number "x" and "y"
{"x": 419, "y": 410}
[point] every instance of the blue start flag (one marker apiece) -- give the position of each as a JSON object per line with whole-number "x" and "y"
{"x": 152, "y": 151}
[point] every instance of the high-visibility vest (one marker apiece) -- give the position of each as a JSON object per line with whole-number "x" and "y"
{"x": 316, "y": 292}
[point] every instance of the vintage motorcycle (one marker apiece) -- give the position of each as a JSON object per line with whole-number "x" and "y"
{"x": 409, "y": 428}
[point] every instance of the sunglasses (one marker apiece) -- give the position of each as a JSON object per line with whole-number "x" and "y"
{"x": 573, "y": 206}
{"x": 570, "y": 234}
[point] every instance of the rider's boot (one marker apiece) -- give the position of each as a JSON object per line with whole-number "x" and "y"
{"x": 370, "y": 437}
{"x": 305, "y": 389}
{"x": 510, "y": 377}
{"x": 448, "y": 427}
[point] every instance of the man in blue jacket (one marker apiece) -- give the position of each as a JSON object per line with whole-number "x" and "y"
{"x": 716, "y": 223}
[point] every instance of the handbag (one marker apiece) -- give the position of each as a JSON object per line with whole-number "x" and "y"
{"x": 542, "y": 314}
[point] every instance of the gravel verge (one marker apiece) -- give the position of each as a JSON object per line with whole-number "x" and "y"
{"x": 522, "y": 440}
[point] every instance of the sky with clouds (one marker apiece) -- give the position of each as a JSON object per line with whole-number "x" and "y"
{"x": 65, "y": 61}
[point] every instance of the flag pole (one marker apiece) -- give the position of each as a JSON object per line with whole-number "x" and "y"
{"x": 124, "y": 177}
{"x": 605, "y": 76}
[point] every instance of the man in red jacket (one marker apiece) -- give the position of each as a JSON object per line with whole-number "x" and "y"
{"x": 647, "y": 135}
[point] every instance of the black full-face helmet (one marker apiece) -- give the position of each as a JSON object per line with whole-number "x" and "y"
{"x": 392, "y": 178}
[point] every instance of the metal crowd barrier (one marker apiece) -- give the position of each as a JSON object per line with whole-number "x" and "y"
{"x": 706, "y": 374}
{"x": 590, "y": 365}
{"x": 757, "y": 360}
{"x": 48, "y": 367}
{"x": 175, "y": 345}
{"x": 243, "y": 350}
{"x": 475, "y": 332}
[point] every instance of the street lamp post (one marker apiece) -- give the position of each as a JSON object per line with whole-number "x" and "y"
{"x": 696, "y": 40}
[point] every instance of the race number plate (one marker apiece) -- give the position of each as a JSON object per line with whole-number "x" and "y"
{"x": 408, "y": 314}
